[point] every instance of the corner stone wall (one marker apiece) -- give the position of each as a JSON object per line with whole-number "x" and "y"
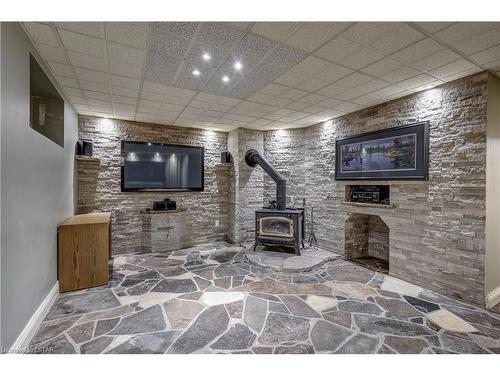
{"x": 99, "y": 184}
{"x": 437, "y": 228}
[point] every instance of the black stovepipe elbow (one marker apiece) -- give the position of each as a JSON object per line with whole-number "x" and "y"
{"x": 252, "y": 158}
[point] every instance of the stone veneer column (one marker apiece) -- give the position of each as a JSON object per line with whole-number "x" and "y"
{"x": 247, "y": 184}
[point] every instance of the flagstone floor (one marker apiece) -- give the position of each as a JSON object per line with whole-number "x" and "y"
{"x": 210, "y": 299}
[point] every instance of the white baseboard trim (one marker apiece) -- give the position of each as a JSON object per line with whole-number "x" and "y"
{"x": 35, "y": 321}
{"x": 493, "y": 298}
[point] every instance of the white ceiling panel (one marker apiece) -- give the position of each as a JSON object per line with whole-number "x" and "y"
{"x": 278, "y": 75}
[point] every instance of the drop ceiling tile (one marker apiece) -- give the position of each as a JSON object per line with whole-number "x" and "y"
{"x": 353, "y": 80}
{"x": 153, "y": 96}
{"x": 488, "y": 56}
{"x": 367, "y": 100}
{"x": 91, "y": 75}
{"x": 388, "y": 91}
{"x": 253, "y": 46}
{"x": 480, "y": 42}
{"x": 284, "y": 56}
{"x": 82, "y": 44}
{"x": 50, "y": 53}
{"x": 414, "y": 82}
{"x": 333, "y": 73}
{"x": 401, "y": 74}
{"x": 314, "y": 109}
{"x": 313, "y": 34}
{"x": 94, "y": 29}
{"x": 125, "y": 69}
{"x": 462, "y": 74}
{"x": 419, "y": 50}
{"x": 41, "y": 33}
{"x": 349, "y": 107}
{"x": 436, "y": 60}
{"x": 229, "y": 101}
{"x": 293, "y": 94}
{"x": 274, "y": 89}
{"x": 297, "y": 106}
{"x": 260, "y": 98}
{"x": 59, "y": 69}
{"x": 209, "y": 98}
{"x": 168, "y": 45}
{"x": 155, "y": 87}
{"x": 362, "y": 58}
{"x": 382, "y": 67}
{"x": 87, "y": 61}
{"x": 338, "y": 49}
{"x": 176, "y": 100}
{"x": 453, "y": 69}
{"x": 119, "y": 107}
{"x": 217, "y": 55}
{"x": 72, "y": 91}
{"x": 401, "y": 37}
{"x": 78, "y": 100}
{"x": 459, "y": 32}
{"x": 290, "y": 79}
{"x": 330, "y": 103}
{"x": 263, "y": 73}
{"x": 278, "y": 31}
{"x": 312, "y": 98}
{"x": 127, "y": 33}
{"x": 368, "y": 32}
{"x": 172, "y": 108}
{"x": 125, "y": 54}
{"x": 124, "y": 99}
{"x": 130, "y": 83}
{"x": 219, "y": 34}
{"x": 94, "y": 86}
{"x": 67, "y": 82}
{"x": 311, "y": 84}
{"x": 182, "y": 29}
{"x": 279, "y": 102}
{"x": 125, "y": 91}
{"x": 220, "y": 107}
{"x": 94, "y": 98}
{"x": 311, "y": 65}
{"x": 332, "y": 90}
{"x": 432, "y": 27}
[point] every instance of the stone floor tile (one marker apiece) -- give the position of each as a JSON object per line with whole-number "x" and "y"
{"x": 421, "y": 305}
{"x": 210, "y": 324}
{"x": 237, "y": 337}
{"x": 149, "y": 343}
{"x": 81, "y": 332}
{"x": 359, "y": 307}
{"x": 180, "y": 312}
{"x": 220, "y": 298}
{"x": 449, "y": 321}
{"x": 235, "y": 309}
{"x": 106, "y": 325}
{"x": 175, "y": 286}
{"x": 96, "y": 346}
{"x": 91, "y": 300}
{"x": 295, "y": 349}
{"x": 342, "y": 318}
{"x": 374, "y": 325}
{"x": 352, "y": 290}
{"x": 59, "y": 345}
{"x": 321, "y": 303}
{"x": 328, "y": 337}
{"x": 395, "y": 308}
{"x": 394, "y": 285}
{"x": 51, "y": 329}
{"x": 254, "y": 313}
{"x": 112, "y": 313}
{"x": 359, "y": 344}
{"x": 461, "y": 346}
{"x": 280, "y": 328}
{"x": 148, "y": 320}
{"x": 405, "y": 345}
{"x": 299, "y": 308}
{"x": 351, "y": 272}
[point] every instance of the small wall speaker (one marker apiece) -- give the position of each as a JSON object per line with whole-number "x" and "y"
{"x": 225, "y": 157}
{"x": 84, "y": 148}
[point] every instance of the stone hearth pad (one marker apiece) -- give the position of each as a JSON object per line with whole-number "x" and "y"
{"x": 284, "y": 260}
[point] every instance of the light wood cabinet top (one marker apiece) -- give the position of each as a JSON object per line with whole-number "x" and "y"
{"x": 92, "y": 218}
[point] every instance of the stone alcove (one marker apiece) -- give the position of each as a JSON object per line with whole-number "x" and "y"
{"x": 367, "y": 240}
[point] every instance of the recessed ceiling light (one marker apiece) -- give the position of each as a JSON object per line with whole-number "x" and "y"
{"x": 225, "y": 79}
{"x": 237, "y": 65}
{"x": 196, "y": 72}
{"x": 206, "y": 56}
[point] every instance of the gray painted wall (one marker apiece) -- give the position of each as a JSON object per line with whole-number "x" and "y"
{"x": 37, "y": 190}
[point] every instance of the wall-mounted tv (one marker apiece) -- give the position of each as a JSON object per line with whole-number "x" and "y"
{"x": 161, "y": 167}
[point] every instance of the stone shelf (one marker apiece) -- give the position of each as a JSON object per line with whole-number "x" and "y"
{"x": 153, "y": 212}
{"x": 86, "y": 158}
{"x": 371, "y": 205}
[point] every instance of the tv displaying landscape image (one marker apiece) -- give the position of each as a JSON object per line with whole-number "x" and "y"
{"x": 380, "y": 155}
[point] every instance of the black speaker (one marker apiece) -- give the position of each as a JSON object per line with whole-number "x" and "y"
{"x": 84, "y": 148}
{"x": 225, "y": 157}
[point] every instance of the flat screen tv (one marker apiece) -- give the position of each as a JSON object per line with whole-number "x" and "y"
{"x": 161, "y": 167}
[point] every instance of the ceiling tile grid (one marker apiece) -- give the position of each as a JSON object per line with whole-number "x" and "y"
{"x": 290, "y": 74}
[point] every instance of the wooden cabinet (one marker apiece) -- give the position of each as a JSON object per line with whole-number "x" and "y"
{"x": 84, "y": 247}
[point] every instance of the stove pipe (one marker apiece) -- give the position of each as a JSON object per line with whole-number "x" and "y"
{"x": 252, "y": 158}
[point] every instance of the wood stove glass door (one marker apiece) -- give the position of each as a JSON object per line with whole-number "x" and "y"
{"x": 276, "y": 226}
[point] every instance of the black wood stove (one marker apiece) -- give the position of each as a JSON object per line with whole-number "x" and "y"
{"x": 280, "y": 226}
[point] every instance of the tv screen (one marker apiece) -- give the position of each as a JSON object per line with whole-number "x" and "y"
{"x": 161, "y": 167}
